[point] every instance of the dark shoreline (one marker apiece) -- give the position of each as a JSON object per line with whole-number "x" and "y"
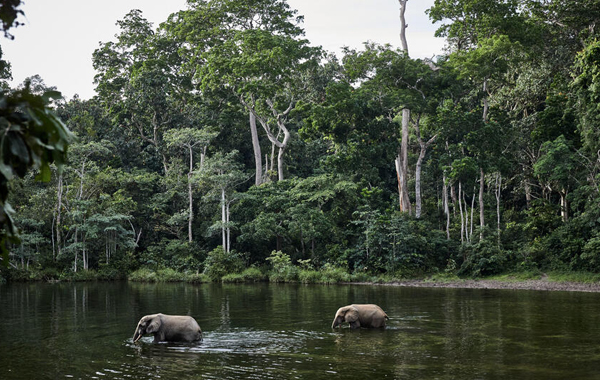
{"x": 542, "y": 285}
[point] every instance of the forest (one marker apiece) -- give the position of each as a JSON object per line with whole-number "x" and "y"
{"x": 222, "y": 145}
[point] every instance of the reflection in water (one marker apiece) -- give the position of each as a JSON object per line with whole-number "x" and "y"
{"x": 269, "y": 331}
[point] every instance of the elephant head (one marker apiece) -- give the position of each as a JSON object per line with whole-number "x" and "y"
{"x": 346, "y": 314}
{"x": 149, "y": 324}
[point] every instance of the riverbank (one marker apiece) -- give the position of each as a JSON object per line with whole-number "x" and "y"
{"x": 551, "y": 281}
{"x": 541, "y": 284}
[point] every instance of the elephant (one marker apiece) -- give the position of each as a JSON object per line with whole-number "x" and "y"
{"x": 168, "y": 328}
{"x": 360, "y": 316}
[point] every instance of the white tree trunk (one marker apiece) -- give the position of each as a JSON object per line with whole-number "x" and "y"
{"x": 223, "y": 220}
{"x": 422, "y": 152}
{"x": 564, "y": 206}
{"x": 446, "y": 206}
{"x": 403, "y": 25}
{"x": 190, "y": 196}
{"x": 257, "y": 152}
{"x": 75, "y": 250}
{"x": 498, "y": 193}
{"x": 472, "y": 209}
{"x": 462, "y": 220}
{"x": 228, "y": 230}
{"x": 59, "y": 195}
{"x": 481, "y": 205}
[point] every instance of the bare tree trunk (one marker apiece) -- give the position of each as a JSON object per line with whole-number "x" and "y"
{"x": 453, "y": 197}
{"x": 257, "y": 152}
{"x": 280, "y": 162}
{"x": 399, "y": 177}
{"x": 85, "y": 256}
{"x": 228, "y": 230}
{"x": 423, "y": 151}
{"x": 498, "y": 193}
{"x": 486, "y": 108}
{"x": 280, "y": 118}
{"x": 403, "y": 25}
{"x": 462, "y": 222}
{"x": 402, "y": 165}
{"x": 403, "y": 157}
{"x": 472, "y": 209}
{"x": 75, "y": 250}
{"x": 486, "y": 105}
{"x": 59, "y": 194}
{"x": 481, "y": 205}
{"x": 223, "y": 221}
{"x": 564, "y": 206}
{"x": 190, "y": 196}
{"x": 446, "y": 206}
{"x": 527, "y": 188}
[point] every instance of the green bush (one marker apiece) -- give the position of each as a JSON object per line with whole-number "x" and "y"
{"x": 309, "y": 276}
{"x": 143, "y": 275}
{"x": 219, "y": 263}
{"x": 252, "y": 274}
{"x": 166, "y": 275}
{"x": 483, "y": 259}
{"x": 82, "y": 275}
{"x": 329, "y": 274}
{"x": 283, "y": 270}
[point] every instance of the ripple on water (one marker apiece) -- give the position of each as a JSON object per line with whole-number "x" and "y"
{"x": 247, "y": 354}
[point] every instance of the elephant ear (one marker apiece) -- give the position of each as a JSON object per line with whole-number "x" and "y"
{"x": 153, "y": 326}
{"x": 351, "y": 315}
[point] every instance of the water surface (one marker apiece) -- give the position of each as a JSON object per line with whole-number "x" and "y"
{"x": 268, "y": 331}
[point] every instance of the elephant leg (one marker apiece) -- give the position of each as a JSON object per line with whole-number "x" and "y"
{"x": 355, "y": 325}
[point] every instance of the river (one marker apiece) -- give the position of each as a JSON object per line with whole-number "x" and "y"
{"x": 271, "y": 331}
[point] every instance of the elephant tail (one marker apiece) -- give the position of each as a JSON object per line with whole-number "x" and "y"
{"x": 386, "y": 317}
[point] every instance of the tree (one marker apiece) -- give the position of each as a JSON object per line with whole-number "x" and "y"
{"x": 32, "y": 137}
{"x": 256, "y": 55}
{"x": 137, "y": 81}
{"x": 190, "y": 139}
{"x": 403, "y": 87}
{"x": 222, "y": 174}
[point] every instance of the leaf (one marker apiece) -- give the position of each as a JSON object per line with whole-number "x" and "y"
{"x": 45, "y": 173}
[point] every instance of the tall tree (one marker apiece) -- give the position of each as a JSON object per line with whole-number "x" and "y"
{"x": 190, "y": 139}
{"x": 137, "y": 81}
{"x": 254, "y": 50}
{"x": 222, "y": 174}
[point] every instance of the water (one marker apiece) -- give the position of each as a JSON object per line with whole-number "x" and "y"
{"x": 267, "y": 331}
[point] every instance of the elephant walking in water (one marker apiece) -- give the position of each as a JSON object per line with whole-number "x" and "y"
{"x": 168, "y": 328}
{"x": 360, "y": 316}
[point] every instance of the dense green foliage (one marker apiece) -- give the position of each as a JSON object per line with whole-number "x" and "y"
{"x": 222, "y": 146}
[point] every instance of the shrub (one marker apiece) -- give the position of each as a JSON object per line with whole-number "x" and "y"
{"x": 219, "y": 263}
{"x": 283, "y": 270}
{"x": 143, "y": 275}
{"x": 483, "y": 259}
{"x": 166, "y": 275}
{"x": 334, "y": 275}
{"x": 329, "y": 274}
{"x": 308, "y": 276}
{"x": 82, "y": 275}
{"x": 252, "y": 274}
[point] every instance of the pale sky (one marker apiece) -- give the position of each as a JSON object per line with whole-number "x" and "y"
{"x": 59, "y": 36}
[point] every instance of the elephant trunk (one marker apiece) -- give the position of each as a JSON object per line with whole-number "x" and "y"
{"x": 137, "y": 336}
{"x": 336, "y": 322}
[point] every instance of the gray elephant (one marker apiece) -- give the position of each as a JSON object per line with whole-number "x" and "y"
{"x": 360, "y": 316}
{"x": 168, "y": 328}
